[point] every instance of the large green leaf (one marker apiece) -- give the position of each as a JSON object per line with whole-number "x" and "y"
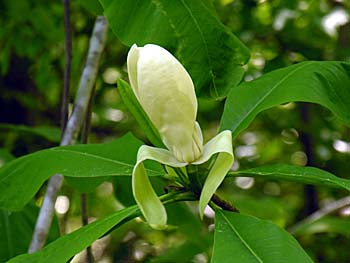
{"x": 241, "y": 238}
{"x": 16, "y": 230}
{"x": 71, "y": 244}
{"x": 300, "y": 174}
{"x": 25, "y": 175}
{"x": 208, "y": 50}
{"x": 326, "y": 83}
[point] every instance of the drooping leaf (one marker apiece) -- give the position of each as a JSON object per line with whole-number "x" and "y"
{"x": 64, "y": 248}
{"x": 326, "y": 83}
{"x": 16, "y": 230}
{"x": 25, "y": 175}
{"x": 300, "y": 174}
{"x": 242, "y": 238}
{"x": 208, "y": 50}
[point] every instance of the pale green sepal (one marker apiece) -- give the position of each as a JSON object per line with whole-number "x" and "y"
{"x": 222, "y": 144}
{"x": 145, "y": 196}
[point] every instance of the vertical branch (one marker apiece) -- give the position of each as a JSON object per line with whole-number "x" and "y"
{"x": 310, "y": 192}
{"x": 86, "y": 84}
{"x": 85, "y": 221}
{"x": 83, "y": 197}
{"x": 67, "y": 69}
{"x": 87, "y": 81}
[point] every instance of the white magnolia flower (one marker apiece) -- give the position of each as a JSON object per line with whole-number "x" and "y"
{"x": 165, "y": 91}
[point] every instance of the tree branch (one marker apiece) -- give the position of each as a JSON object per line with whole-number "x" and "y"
{"x": 67, "y": 71}
{"x": 83, "y": 197}
{"x": 326, "y": 210}
{"x": 86, "y": 84}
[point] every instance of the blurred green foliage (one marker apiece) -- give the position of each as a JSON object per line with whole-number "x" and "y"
{"x": 278, "y": 33}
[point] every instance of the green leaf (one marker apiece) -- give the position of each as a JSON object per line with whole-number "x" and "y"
{"x": 92, "y": 6}
{"x": 71, "y": 244}
{"x": 208, "y": 50}
{"x": 5, "y": 156}
{"x": 52, "y": 134}
{"x": 137, "y": 111}
{"x": 25, "y": 175}
{"x": 326, "y": 83}
{"x": 300, "y": 174}
{"x": 242, "y": 238}
{"x": 16, "y": 230}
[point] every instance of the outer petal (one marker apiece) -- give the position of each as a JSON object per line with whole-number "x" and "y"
{"x": 222, "y": 144}
{"x": 166, "y": 92}
{"x": 133, "y": 57}
{"x": 148, "y": 201}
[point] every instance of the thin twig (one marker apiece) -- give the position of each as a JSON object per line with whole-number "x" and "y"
{"x": 326, "y": 210}
{"x": 85, "y": 221}
{"x": 83, "y": 197}
{"x": 67, "y": 68}
{"x": 86, "y": 84}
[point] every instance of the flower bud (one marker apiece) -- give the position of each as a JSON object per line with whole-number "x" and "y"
{"x": 166, "y": 92}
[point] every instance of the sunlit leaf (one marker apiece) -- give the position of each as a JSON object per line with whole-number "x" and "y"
{"x": 326, "y": 83}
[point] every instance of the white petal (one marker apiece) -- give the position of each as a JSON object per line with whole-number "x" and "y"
{"x": 166, "y": 92}
{"x": 133, "y": 57}
{"x": 222, "y": 144}
{"x": 145, "y": 196}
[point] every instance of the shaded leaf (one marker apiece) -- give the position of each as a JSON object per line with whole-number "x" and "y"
{"x": 16, "y": 230}
{"x": 326, "y": 83}
{"x": 52, "y": 134}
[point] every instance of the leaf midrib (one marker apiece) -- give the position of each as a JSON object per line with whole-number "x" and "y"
{"x": 94, "y": 156}
{"x": 268, "y": 94}
{"x": 241, "y": 239}
{"x": 205, "y": 44}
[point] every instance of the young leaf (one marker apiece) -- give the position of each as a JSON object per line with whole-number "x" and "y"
{"x": 208, "y": 50}
{"x": 306, "y": 175}
{"x": 242, "y": 238}
{"x": 64, "y": 248}
{"x": 137, "y": 111}
{"x": 326, "y": 83}
{"x": 25, "y": 175}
